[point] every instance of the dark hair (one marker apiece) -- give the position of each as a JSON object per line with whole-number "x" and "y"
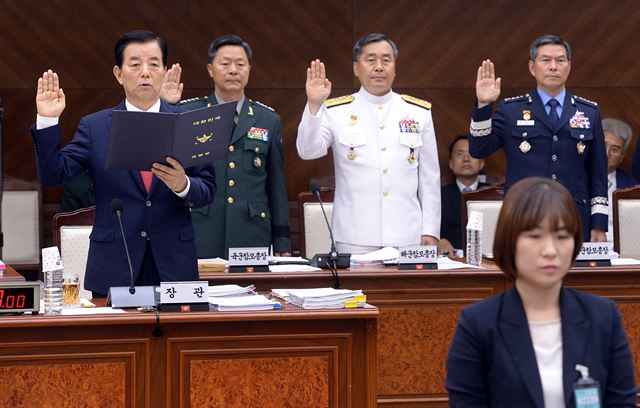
{"x": 229, "y": 39}
{"x": 525, "y": 206}
{"x": 371, "y": 38}
{"x": 456, "y": 140}
{"x": 546, "y": 40}
{"x": 138, "y": 36}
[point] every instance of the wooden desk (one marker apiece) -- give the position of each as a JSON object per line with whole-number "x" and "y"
{"x": 419, "y": 310}
{"x": 10, "y": 275}
{"x": 288, "y": 357}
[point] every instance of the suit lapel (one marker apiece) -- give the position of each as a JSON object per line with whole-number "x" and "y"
{"x": 568, "y": 110}
{"x": 246, "y": 120}
{"x": 575, "y": 330}
{"x": 514, "y": 330}
{"x": 539, "y": 111}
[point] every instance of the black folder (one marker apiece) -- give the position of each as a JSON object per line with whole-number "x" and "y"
{"x": 139, "y": 139}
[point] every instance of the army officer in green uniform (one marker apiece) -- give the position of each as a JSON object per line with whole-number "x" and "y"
{"x": 250, "y": 208}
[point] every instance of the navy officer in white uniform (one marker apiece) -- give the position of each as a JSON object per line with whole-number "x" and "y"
{"x": 384, "y": 153}
{"x": 547, "y": 132}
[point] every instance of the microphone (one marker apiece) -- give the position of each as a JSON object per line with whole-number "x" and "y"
{"x": 332, "y": 260}
{"x": 117, "y": 207}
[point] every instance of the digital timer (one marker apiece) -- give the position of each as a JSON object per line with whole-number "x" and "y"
{"x": 19, "y": 297}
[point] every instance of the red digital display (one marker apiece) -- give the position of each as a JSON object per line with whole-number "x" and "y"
{"x": 18, "y": 298}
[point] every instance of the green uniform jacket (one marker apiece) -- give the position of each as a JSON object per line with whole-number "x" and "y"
{"x": 250, "y": 208}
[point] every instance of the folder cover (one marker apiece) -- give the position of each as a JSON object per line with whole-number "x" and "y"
{"x": 139, "y": 139}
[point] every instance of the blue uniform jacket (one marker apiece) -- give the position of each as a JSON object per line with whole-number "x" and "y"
{"x": 624, "y": 179}
{"x": 573, "y": 153}
{"x": 160, "y": 216}
{"x": 492, "y": 363}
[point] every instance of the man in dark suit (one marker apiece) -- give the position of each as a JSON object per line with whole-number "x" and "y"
{"x": 466, "y": 169}
{"x": 546, "y": 133}
{"x": 617, "y": 135}
{"x": 157, "y": 204}
{"x": 251, "y": 208}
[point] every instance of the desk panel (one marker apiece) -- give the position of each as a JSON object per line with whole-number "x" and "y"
{"x": 203, "y": 359}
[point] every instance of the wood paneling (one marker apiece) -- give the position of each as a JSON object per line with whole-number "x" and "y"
{"x": 441, "y": 45}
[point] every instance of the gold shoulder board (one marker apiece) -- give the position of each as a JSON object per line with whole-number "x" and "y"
{"x": 416, "y": 101}
{"x": 340, "y": 100}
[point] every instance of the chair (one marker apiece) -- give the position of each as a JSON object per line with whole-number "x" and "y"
{"x": 71, "y": 232}
{"x": 314, "y": 234}
{"x": 487, "y": 200}
{"x": 626, "y": 221}
{"x": 22, "y": 223}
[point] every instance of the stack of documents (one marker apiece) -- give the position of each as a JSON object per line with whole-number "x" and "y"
{"x": 325, "y": 298}
{"x": 212, "y": 265}
{"x": 386, "y": 254}
{"x": 247, "y": 302}
{"x": 231, "y": 290}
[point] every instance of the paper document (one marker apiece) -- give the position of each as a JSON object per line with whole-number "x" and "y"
{"x": 376, "y": 257}
{"x": 250, "y": 302}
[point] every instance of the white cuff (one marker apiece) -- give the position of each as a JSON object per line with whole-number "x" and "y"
{"x": 43, "y": 122}
{"x": 184, "y": 192}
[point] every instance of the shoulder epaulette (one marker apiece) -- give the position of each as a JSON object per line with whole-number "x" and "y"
{"x": 517, "y": 98}
{"x": 197, "y": 99}
{"x": 585, "y": 101}
{"x": 263, "y": 105}
{"x": 340, "y": 100}
{"x": 415, "y": 101}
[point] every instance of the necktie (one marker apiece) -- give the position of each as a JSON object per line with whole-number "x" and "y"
{"x": 147, "y": 176}
{"x": 466, "y": 190}
{"x": 553, "y": 113}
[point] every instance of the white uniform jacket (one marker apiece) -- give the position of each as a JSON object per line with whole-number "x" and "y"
{"x": 386, "y": 166}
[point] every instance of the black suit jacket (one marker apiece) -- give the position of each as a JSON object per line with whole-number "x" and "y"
{"x": 492, "y": 363}
{"x": 624, "y": 180}
{"x": 451, "y": 219}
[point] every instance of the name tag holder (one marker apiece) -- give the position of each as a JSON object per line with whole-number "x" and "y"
{"x": 184, "y": 296}
{"x": 417, "y": 258}
{"x": 594, "y": 254}
{"x": 254, "y": 259}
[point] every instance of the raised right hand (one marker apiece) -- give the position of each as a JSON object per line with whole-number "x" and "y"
{"x": 318, "y": 87}
{"x": 171, "y": 90}
{"x": 50, "y": 100}
{"x": 487, "y": 86}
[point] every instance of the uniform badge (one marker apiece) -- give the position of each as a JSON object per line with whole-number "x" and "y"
{"x": 579, "y": 121}
{"x": 412, "y": 157}
{"x": 581, "y": 147}
{"x": 258, "y": 134}
{"x": 524, "y": 146}
{"x": 353, "y": 120}
{"x": 351, "y": 154}
{"x": 526, "y": 114}
{"x": 257, "y": 162}
{"x": 408, "y": 125}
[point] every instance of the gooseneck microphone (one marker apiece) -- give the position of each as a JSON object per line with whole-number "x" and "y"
{"x": 332, "y": 260}
{"x": 117, "y": 207}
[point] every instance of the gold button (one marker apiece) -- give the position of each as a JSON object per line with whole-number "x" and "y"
{"x": 385, "y": 170}
{"x": 232, "y": 165}
{"x": 230, "y": 200}
{"x": 382, "y": 126}
{"x": 263, "y": 215}
{"x": 231, "y": 148}
{"x": 257, "y": 149}
{"x": 232, "y": 183}
{"x": 386, "y": 193}
{"x": 383, "y": 148}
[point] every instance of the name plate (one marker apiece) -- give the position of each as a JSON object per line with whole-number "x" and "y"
{"x": 595, "y": 250}
{"x": 418, "y": 254}
{"x": 184, "y": 292}
{"x": 253, "y": 256}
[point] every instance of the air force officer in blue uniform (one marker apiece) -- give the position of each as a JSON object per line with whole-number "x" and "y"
{"x": 157, "y": 203}
{"x": 547, "y": 132}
